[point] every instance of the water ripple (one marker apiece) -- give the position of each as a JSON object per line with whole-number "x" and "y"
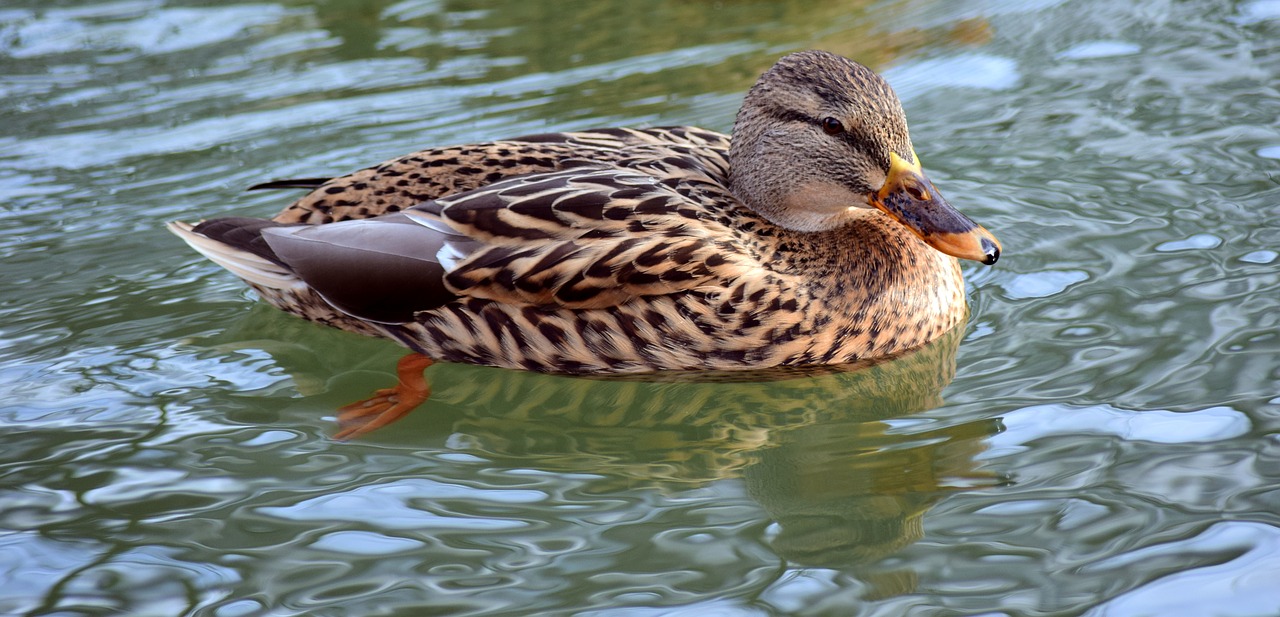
{"x": 141, "y": 27}
{"x": 1108, "y": 444}
{"x": 1243, "y": 584}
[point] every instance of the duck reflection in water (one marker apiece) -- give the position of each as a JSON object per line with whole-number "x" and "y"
{"x": 818, "y": 451}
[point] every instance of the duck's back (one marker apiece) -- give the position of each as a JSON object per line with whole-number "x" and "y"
{"x": 434, "y": 173}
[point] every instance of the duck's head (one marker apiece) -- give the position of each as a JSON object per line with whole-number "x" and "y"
{"x": 820, "y": 137}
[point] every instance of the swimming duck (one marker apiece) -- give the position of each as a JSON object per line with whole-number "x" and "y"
{"x": 810, "y": 237}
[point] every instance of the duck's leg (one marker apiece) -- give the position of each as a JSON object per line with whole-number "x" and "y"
{"x": 389, "y": 404}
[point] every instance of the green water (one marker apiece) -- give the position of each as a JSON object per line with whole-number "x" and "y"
{"x": 1100, "y": 439}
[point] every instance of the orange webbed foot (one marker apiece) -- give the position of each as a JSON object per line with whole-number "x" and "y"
{"x": 388, "y": 404}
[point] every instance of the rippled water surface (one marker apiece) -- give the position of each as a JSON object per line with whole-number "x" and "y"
{"x": 1101, "y": 439}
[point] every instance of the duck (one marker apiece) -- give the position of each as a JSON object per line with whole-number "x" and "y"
{"x": 809, "y": 236}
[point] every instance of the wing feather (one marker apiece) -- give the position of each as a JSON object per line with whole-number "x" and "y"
{"x": 582, "y": 238}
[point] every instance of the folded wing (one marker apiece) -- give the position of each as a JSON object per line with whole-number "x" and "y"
{"x": 586, "y": 237}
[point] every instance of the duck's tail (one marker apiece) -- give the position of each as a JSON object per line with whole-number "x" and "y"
{"x": 382, "y": 270}
{"x": 252, "y": 261}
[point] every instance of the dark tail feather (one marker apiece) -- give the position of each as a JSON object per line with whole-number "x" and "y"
{"x": 243, "y": 233}
{"x": 292, "y": 183}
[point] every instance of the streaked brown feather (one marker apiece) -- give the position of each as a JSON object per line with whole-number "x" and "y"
{"x": 588, "y": 239}
{"x": 434, "y": 173}
{"x": 605, "y": 251}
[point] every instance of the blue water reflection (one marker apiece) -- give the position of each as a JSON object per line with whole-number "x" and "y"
{"x": 1100, "y": 439}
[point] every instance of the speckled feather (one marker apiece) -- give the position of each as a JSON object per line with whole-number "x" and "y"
{"x": 623, "y": 250}
{"x": 439, "y": 172}
{"x": 648, "y": 264}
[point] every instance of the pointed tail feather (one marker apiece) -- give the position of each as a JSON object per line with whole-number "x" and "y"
{"x": 253, "y": 268}
{"x": 291, "y": 183}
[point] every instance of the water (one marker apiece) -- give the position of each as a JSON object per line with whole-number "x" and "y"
{"x": 1101, "y": 439}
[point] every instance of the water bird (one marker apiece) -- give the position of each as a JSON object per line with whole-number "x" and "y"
{"x": 810, "y": 237}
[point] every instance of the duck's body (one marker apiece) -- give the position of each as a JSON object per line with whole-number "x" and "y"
{"x": 633, "y": 250}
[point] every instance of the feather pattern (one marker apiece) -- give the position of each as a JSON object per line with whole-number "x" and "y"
{"x": 583, "y": 239}
{"x": 612, "y": 250}
{"x": 438, "y": 172}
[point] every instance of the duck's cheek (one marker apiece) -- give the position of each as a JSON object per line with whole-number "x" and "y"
{"x": 821, "y": 196}
{"x": 815, "y": 206}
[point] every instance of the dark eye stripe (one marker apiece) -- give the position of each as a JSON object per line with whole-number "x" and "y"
{"x": 791, "y": 115}
{"x": 830, "y": 125}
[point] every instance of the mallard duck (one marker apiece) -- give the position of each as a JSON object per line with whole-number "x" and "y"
{"x": 810, "y": 237}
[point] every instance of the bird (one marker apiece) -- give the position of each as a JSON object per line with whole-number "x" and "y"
{"x": 809, "y": 236}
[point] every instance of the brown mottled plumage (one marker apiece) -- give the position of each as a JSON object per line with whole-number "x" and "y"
{"x": 812, "y": 238}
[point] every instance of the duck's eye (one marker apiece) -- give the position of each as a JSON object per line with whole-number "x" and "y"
{"x": 832, "y": 126}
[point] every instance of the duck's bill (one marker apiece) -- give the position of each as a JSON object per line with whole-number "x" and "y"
{"x": 911, "y": 200}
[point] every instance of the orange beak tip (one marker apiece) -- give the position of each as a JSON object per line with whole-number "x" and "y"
{"x": 975, "y": 245}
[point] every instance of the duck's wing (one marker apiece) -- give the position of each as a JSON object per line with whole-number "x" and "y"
{"x": 588, "y": 237}
{"x": 583, "y": 238}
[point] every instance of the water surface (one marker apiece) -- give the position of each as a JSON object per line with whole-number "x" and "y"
{"x": 1100, "y": 439}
